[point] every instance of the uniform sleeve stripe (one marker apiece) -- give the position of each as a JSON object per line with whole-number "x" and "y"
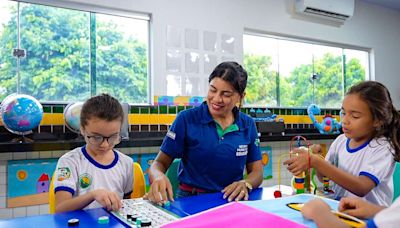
{"x": 372, "y": 177}
{"x": 63, "y": 188}
{"x": 371, "y": 224}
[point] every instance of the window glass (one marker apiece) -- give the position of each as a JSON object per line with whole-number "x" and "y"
{"x": 356, "y": 67}
{"x": 8, "y": 41}
{"x": 122, "y": 57}
{"x": 295, "y": 68}
{"x": 292, "y": 73}
{"x": 261, "y": 61}
{"x": 56, "y": 40}
{"x": 71, "y": 55}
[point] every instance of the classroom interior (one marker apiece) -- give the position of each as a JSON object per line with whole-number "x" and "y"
{"x": 184, "y": 40}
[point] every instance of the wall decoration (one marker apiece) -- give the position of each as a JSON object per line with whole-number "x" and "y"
{"x": 29, "y": 181}
{"x": 266, "y": 159}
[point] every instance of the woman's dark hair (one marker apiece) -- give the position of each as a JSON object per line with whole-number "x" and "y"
{"x": 233, "y": 73}
{"x": 102, "y": 106}
{"x": 377, "y": 96}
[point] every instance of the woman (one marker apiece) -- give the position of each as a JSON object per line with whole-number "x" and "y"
{"x": 215, "y": 141}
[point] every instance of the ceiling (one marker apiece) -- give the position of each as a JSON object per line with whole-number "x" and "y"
{"x": 392, "y": 4}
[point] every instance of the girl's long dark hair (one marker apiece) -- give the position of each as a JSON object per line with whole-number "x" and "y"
{"x": 377, "y": 96}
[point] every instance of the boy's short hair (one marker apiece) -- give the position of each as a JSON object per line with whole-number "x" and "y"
{"x": 102, "y": 106}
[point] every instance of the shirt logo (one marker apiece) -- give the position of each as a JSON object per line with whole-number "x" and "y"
{"x": 171, "y": 135}
{"x": 63, "y": 173}
{"x": 241, "y": 150}
{"x": 85, "y": 180}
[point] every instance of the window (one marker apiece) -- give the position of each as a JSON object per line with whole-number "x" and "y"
{"x": 73, "y": 54}
{"x": 292, "y": 73}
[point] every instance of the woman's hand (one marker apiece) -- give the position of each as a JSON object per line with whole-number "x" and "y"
{"x": 298, "y": 162}
{"x": 358, "y": 207}
{"x": 107, "y": 199}
{"x": 160, "y": 190}
{"x": 236, "y": 191}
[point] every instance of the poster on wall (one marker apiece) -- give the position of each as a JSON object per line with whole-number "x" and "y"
{"x": 266, "y": 159}
{"x": 28, "y": 181}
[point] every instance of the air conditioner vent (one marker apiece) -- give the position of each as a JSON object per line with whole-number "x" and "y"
{"x": 326, "y": 13}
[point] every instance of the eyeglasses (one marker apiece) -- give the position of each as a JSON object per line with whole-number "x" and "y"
{"x": 99, "y": 139}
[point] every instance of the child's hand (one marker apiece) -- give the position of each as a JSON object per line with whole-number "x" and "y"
{"x": 316, "y": 149}
{"x": 315, "y": 208}
{"x": 358, "y": 207}
{"x": 107, "y": 199}
{"x": 299, "y": 161}
{"x": 160, "y": 190}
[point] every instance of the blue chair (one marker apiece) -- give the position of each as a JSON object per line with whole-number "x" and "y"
{"x": 396, "y": 181}
{"x": 172, "y": 174}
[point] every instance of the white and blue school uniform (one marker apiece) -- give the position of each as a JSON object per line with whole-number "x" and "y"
{"x": 388, "y": 218}
{"x": 209, "y": 161}
{"x": 374, "y": 159}
{"x": 78, "y": 173}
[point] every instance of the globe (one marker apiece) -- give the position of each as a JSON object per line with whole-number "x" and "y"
{"x": 21, "y": 113}
{"x": 72, "y": 115}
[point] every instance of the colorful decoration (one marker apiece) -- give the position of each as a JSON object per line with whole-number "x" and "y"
{"x": 178, "y": 100}
{"x": 262, "y": 116}
{"x": 165, "y": 100}
{"x": 195, "y": 101}
{"x": 329, "y": 125}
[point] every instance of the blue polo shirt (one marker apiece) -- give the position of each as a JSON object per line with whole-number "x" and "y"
{"x": 208, "y": 161}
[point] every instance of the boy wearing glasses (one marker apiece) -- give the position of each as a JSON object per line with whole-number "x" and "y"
{"x": 95, "y": 175}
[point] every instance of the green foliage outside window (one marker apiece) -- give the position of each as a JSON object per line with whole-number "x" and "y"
{"x": 296, "y": 89}
{"x": 57, "y": 62}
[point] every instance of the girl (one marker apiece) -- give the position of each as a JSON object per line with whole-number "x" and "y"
{"x": 95, "y": 175}
{"x": 360, "y": 161}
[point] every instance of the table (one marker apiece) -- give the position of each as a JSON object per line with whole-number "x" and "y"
{"x": 194, "y": 204}
{"x": 260, "y": 198}
{"x": 87, "y": 218}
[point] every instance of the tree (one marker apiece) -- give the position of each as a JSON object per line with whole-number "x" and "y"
{"x": 57, "y": 65}
{"x": 296, "y": 90}
{"x": 261, "y": 83}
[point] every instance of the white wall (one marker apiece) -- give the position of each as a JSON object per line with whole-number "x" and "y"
{"x": 371, "y": 26}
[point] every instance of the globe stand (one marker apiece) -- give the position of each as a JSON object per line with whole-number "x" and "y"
{"x": 79, "y": 137}
{"x": 22, "y": 139}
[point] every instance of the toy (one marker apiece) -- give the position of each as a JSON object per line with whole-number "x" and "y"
{"x": 305, "y": 182}
{"x": 262, "y": 116}
{"x": 329, "y": 125}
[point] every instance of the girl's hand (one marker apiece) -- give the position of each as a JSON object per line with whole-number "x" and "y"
{"x": 160, "y": 190}
{"x": 107, "y": 199}
{"x": 298, "y": 162}
{"x": 358, "y": 207}
{"x": 236, "y": 191}
{"x": 315, "y": 208}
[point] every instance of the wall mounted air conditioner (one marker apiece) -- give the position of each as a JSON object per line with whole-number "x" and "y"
{"x": 337, "y": 10}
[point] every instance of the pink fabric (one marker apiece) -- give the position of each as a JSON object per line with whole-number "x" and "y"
{"x": 234, "y": 215}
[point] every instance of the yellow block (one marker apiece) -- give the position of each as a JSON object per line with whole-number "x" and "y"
{"x": 151, "y": 118}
